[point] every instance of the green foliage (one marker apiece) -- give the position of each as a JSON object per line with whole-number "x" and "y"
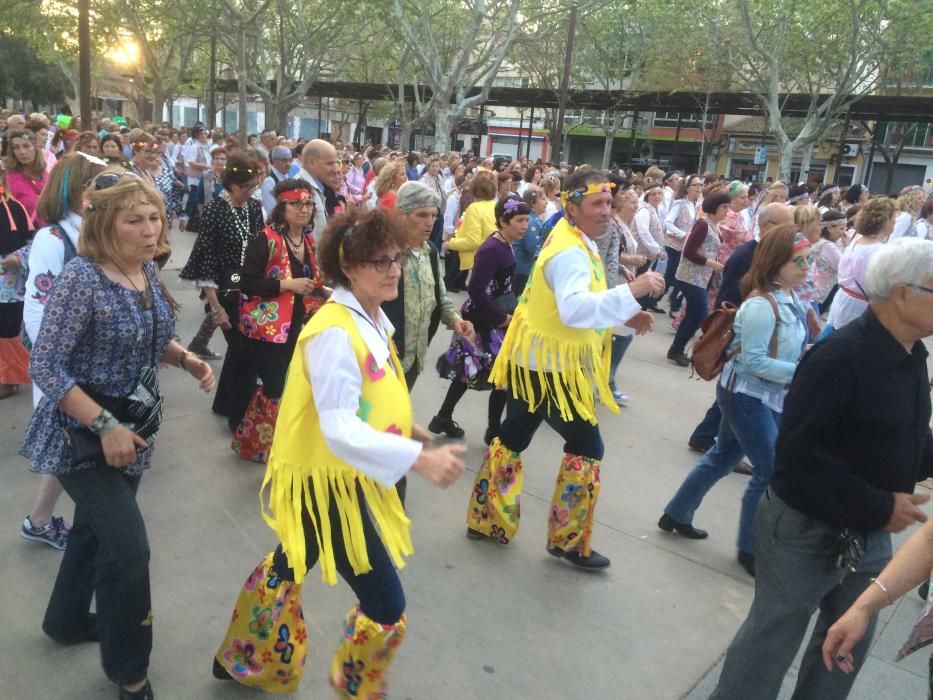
{"x": 24, "y": 75}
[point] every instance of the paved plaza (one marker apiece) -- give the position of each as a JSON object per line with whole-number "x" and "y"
{"x": 486, "y": 622}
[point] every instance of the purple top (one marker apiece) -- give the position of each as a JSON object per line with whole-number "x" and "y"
{"x": 491, "y": 277}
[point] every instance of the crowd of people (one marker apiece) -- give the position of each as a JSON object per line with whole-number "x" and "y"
{"x": 329, "y": 270}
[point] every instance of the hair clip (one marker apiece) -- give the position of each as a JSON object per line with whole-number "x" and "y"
{"x": 512, "y": 205}
{"x": 234, "y": 169}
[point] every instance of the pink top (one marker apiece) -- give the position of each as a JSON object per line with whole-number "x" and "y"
{"x": 26, "y": 191}
{"x": 733, "y": 233}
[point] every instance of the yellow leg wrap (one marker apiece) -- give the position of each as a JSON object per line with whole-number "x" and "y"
{"x": 570, "y": 522}
{"x": 267, "y": 640}
{"x": 361, "y": 663}
{"x": 495, "y": 506}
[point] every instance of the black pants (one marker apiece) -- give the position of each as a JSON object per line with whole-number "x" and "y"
{"x": 455, "y": 392}
{"x": 521, "y": 423}
{"x": 107, "y": 555}
{"x": 270, "y": 362}
{"x": 648, "y": 301}
{"x": 238, "y": 376}
{"x": 670, "y": 281}
{"x": 380, "y": 592}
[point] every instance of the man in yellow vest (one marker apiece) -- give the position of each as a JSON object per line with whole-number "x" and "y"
{"x": 555, "y": 362}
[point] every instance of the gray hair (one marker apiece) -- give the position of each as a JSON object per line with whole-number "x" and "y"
{"x": 416, "y": 195}
{"x": 280, "y": 153}
{"x": 906, "y": 261}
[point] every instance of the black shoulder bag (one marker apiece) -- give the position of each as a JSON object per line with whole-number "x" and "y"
{"x": 140, "y": 411}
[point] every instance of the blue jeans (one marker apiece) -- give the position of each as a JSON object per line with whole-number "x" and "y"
{"x": 750, "y": 428}
{"x": 620, "y": 344}
{"x": 697, "y": 302}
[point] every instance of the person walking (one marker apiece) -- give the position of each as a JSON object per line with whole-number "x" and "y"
{"x": 845, "y": 471}
{"x": 108, "y": 327}
{"x": 345, "y": 436}
{"x": 770, "y": 335}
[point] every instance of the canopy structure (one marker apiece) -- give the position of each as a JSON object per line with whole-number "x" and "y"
{"x": 890, "y": 108}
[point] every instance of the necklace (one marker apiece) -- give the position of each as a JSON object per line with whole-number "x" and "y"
{"x": 144, "y": 294}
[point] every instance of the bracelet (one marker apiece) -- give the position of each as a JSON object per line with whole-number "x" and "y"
{"x": 104, "y": 423}
{"x": 883, "y": 588}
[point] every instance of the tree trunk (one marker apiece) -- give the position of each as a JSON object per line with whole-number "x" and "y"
{"x": 610, "y": 139}
{"x": 158, "y": 103}
{"x": 805, "y": 159}
{"x": 631, "y": 155}
{"x": 241, "y": 83}
{"x": 785, "y": 157}
{"x": 442, "y": 126}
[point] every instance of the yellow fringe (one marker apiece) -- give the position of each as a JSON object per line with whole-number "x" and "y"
{"x": 581, "y": 371}
{"x": 289, "y": 494}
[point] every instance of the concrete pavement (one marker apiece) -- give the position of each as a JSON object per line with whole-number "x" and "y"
{"x": 485, "y": 622}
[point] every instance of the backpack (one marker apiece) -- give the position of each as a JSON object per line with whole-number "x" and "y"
{"x": 710, "y": 352}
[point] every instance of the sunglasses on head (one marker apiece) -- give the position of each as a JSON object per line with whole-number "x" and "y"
{"x": 105, "y": 180}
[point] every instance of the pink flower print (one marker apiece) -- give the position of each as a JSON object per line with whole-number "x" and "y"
{"x": 266, "y": 312}
{"x": 505, "y": 478}
{"x": 574, "y": 464}
{"x": 241, "y": 660}
{"x": 255, "y": 577}
{"x": 248, "y": 325}
{"x": 373, "y": 370}
{"x": 394, "y": 429}
{"x": 559, "y": 517}
{"x": 283, "y": 333}
{"x": 43, "y": 287}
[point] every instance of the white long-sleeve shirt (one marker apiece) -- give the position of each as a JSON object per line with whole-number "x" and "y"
{"x": 904, "y": 225}
{"x": 337, "y": 386}
{"x": 643, "y": 231}
{"x": 450, "y": 211}
{"x": 568, "y": 274}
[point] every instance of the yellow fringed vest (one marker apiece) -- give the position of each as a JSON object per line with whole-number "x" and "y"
{"x": 577, "y": 359}
{"x": 302, "y": 469}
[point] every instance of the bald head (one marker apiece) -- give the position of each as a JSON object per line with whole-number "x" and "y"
{"x": 774, "y": 215}
{"x": 320, "y": 159}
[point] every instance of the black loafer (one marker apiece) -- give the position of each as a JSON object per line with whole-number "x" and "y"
{"x": 591, "y": 563}
{"x": 144, "y": 693}
{"x": 475, "y": 534}
{"x": 668, "y": 524}
{"x": 220, "y": 673}
{"x": 448, "y": 426}
{"x": 678, "y": 358}
{"x": 490, "y": 436}
{"x": 748, "y": 563}
{"x": 698, "y": 445}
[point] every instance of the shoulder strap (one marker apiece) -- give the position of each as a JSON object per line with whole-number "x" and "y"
{"x": 70, "y": 250}
{"x": 772, "y": 346}
{"x": 435, "y": 270}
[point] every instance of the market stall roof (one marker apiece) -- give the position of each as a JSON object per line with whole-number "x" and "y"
{"x": 891, "y": 108}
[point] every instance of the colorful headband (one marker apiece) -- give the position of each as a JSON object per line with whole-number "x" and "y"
{"x": 800, "y": 242}
{"x": 234, "y": 169}
{"x": 577, "y": 195}
{"x": 299, "y": 195}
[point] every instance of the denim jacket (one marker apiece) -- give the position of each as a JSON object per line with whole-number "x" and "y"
{"x": 754, "y": 324}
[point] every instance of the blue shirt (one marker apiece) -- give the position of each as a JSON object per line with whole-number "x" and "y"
{"x": 526, "y": 248}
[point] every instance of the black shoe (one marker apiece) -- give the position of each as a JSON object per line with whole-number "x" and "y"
{"x": 220, "y": 673}
{"x": 699, "y": 445}
{"x": 204, "y": 353}
{"x": 439, "y": 424}
{"x": 924, "y": 590}
{"x": 655, "y": 309}
{"x": 490, "y": 436}
{"x": 475, "y": 534}
{"x": 748, "y": 562}
{"x": 743, "y": 468}
{"x": 668, "y": 524}
{"x": 144, "y": 693}
{"x": 678, "y": 358}
{"x": 592, "y": 562}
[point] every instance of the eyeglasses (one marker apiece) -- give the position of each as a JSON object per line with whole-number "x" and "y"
{"x": 105, "y": 180}
{"x": 301, "y": 205}
{"x": 921, "y": 288}
{"x": 801, "y": 261}
{"x": 383, "y": 264}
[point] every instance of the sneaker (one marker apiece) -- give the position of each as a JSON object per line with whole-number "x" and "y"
{"x": 51, "y": 533}
{"x": 440, "y": 424}
{"x": 204, "y": 353}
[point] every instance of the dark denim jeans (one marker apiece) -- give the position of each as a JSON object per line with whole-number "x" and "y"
{"x": 620, "y": 344}
{"x": 521, "y": 423}
{"x": 107, "y": 555}
{"x": 748, "y": 427}
{"x": 670, "y": 281}
{"x": 379, "y": 591}
{"x": 697, "y": 310}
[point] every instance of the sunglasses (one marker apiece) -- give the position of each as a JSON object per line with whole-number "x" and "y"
{"x": 105, "y": 180}
{"x": 383, "y": 264}
{"x": 801, "y": 261}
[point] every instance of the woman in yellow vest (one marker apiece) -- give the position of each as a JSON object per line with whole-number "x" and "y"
{"x": 343, "y": 438}
{"x": 555, "y": 362}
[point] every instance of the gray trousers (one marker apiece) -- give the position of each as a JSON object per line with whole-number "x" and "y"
{"x": 796, "y": 574}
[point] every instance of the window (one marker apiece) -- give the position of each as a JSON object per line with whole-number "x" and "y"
{"x": 689, "y": 121}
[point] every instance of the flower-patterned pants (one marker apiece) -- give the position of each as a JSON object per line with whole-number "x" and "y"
{"x": 253, "y": 437}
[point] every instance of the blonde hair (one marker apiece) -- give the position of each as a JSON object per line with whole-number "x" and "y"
{"x": 385, "y": 180}
{"x": 98, "y": 232}
{"x": 805, "y": 214}
{"x": 550, "y": 184}
{"x": 874, "y": 215}
{"x": 907, "y": 201}
{"x": 772, "y": 190}
{"x": 64, "y": 189}
{"x": 138, "y": 136}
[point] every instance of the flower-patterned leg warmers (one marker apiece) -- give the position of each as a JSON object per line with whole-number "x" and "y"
{"x": 495, "y": 506}
{"x": 570, "y": 521}
{"x": 361, "y": 663}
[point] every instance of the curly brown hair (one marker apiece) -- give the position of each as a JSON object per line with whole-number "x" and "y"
{"x": 874, "y": 216}
{"x": 352, "y": 239}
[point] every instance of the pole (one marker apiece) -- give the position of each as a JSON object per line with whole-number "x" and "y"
{"x": 521, "y": 124}
{"x": 565, "y": 83}
{"x": 211, "y": 98}
{"x": 676, "y": 143}
{"x": 84, "y": 62}
{"x": 531, "y": 129}
{"x": 319, "y": 100}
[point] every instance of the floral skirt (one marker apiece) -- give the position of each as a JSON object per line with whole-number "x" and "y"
{"x": 471, "y": 363}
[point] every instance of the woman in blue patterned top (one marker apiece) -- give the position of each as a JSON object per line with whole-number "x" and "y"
{"x": 96, "y": 340}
